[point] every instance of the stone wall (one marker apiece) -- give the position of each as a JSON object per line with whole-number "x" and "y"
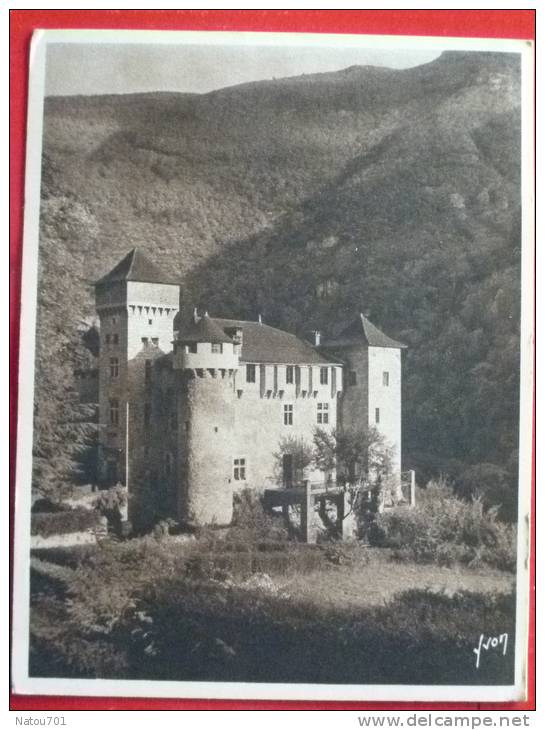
{"x": 206, "y": 425}
{"x": 354, "y": 405}
{"x": 386, "y": 397}
{"x": 151, "y": 309}
{"x": 259, "y": 418}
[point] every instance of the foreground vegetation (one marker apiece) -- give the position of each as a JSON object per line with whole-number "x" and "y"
{"x": 144, "y": 612}
{"x": 446, "y": 530}
{"x": 249, "y": 604}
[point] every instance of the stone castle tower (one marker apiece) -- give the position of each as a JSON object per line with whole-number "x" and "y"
{"x": 136, "y": 304}
{"x": 205, "y": 363}
{"x": 372, "y": 392}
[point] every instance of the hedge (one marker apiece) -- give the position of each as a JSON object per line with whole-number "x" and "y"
{"x": 62, "y": 523}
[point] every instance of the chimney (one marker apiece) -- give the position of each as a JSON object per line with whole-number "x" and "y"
{"x": 317, "y": 338}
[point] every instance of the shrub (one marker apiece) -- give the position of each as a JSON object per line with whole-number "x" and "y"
{"x": 62, "y": 523}
{"x": 251, "y": 523}
{"x": 48, "y": 506}
{"x": 444, "y": 529}
{"x": 108, "y": 500}
{"x": 163, "y": 528}
{"x": 69, "y": 557}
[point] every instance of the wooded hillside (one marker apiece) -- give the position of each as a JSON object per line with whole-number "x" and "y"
{"x": 392, "y": 192}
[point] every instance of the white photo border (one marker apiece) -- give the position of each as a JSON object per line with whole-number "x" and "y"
{"x": 22, "y": 683}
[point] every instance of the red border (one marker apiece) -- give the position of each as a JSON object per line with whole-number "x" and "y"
{"x": 517, "y": 24}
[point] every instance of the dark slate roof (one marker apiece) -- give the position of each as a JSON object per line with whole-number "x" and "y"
{"x": 264, "y": 344}
{"x": 204, "y": 329}
{"x": 135, "y": 266}
{"x": 362, "y": 329}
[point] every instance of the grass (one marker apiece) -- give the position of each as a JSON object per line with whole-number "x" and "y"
{"x": 377, "y": 581}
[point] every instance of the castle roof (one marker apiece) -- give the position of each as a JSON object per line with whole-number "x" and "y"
{"x": 204, "y": 329}
{"x": 135, "y": 266}
{"x": 262, "y": 343}
{"x": 362, "y": 329}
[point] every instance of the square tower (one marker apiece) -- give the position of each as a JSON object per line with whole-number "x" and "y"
{"x": 136, "y": 304}
{"x": 372, "y": 388}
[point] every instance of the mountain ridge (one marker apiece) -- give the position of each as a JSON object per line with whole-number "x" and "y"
{"x": 302, "y": 199}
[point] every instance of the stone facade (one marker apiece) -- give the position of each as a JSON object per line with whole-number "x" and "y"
{"x": 192, "y": 412}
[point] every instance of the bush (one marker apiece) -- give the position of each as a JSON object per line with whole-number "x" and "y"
{"x": 42, "y": 505}
{"x": 69, "y": 557}
{"x": 251, "y": 523}
{"x": 62, "y": 523}
{"x": 444, "y": 529}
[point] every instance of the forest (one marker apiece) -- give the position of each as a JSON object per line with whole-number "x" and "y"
{"x": 395, "y": 193}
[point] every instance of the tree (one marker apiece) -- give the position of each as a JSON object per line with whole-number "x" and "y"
{"x": 363, "y": 460}
{"x": 65, "y": 430}
{"x": 301, "y": 452}
{"x": 357, "y": 454}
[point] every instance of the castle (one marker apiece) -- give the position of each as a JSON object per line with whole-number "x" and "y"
{"x": 193, "y": 409}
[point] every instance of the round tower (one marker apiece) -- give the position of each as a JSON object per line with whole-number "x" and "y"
{"x": 206, "y": 361}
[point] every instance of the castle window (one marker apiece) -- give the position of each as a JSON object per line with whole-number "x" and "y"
{"x": 250, "y": 373}
{"x": 352, "y": 378}
{"x": 108, "y": 339}
{"x": 323, "y": 413}
{"x": 289, "y": 374}
{"x": 147, "y": 414}
{"x": 217, "y": 348}
{"x": 114, "y": 412}
{"x": 288, "y": 414}
{"x": 386, "y": 378}
{"x": 377, "y": 415}
{"x": 147, "y": 375}
{"x": 150, "y": 321}
{"x": 114, "y": 320}
{"x": 323, "y": 376}
{"x": 145, "y": 341}
{"x": 155, "y": 341}
{"x": 114, "y": 367}
{"x": 115, "y": 339}
{"x": 239, "y": 470}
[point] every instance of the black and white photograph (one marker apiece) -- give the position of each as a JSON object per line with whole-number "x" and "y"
{"x": 274, "y": 433}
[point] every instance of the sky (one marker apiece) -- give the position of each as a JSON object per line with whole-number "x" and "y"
{"x": 122, "y": 68}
